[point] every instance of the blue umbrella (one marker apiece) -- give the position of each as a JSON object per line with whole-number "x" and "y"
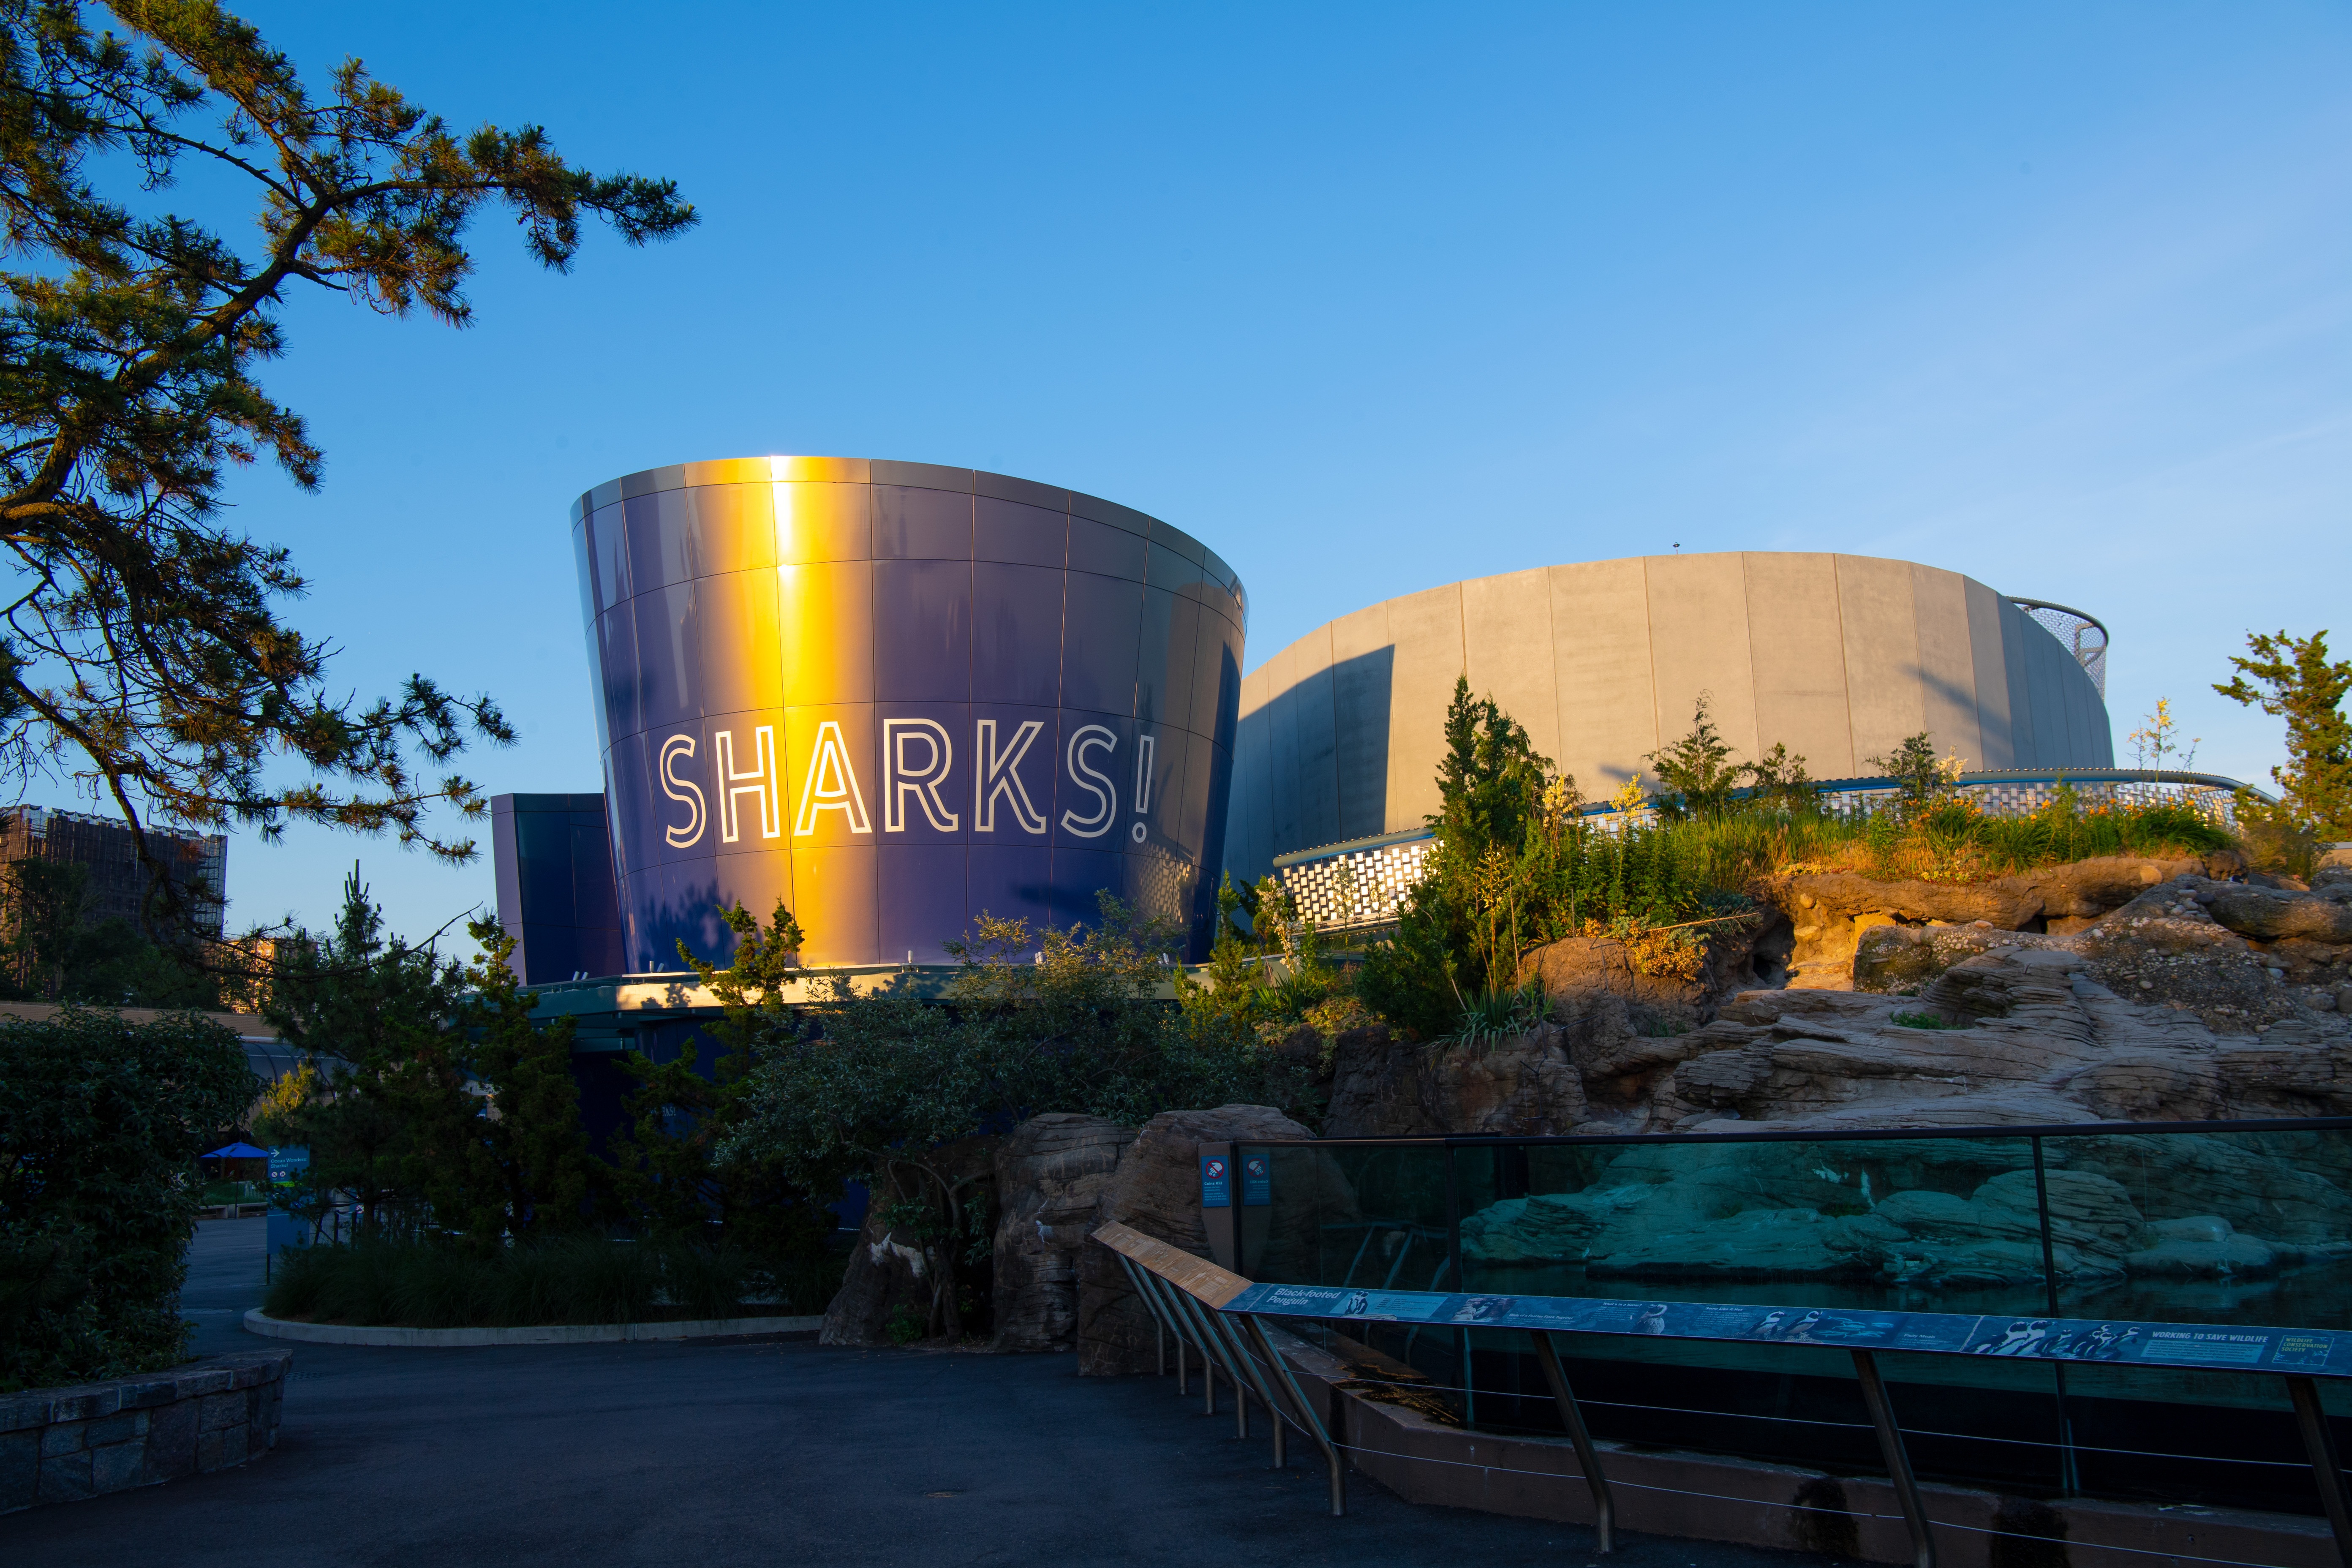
{"x": 238, "y": 1151}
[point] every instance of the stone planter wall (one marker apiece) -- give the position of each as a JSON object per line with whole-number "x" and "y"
{"x": 60, "y": 1445}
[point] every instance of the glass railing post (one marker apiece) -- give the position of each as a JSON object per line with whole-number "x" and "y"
{"x": 1454, "y": 1257}
{"x": 2070, "y": 1477}
{"x": 1898, "y": 1462}
{"x": 2319, "y": 1443}
{"x": 1331, "y": 1442}
{"x": 1604, "y": 1507}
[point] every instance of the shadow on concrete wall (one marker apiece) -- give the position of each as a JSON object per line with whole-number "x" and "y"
{"x": 1361, "y": 704}
{"x": 1323, "y": 745}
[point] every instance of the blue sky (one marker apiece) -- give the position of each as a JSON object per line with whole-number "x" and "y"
{"x": 1369, "y": 298}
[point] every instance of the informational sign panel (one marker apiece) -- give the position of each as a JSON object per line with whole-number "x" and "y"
{"x": 285, "y": 1163}
{"x": 1216, "y": 1182}
{"x": 1258, "y": 1180}
{"x": 2308, "y": 1351}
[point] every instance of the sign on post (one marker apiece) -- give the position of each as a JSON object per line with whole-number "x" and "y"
{"x": 1258, "y": 1180}
{"x": 1216, "y": 1182}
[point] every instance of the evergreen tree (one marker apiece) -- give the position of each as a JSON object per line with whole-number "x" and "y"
{"x": 539, "y": 1172}
{"x": 2293, "y": 679}
{"x": 370, "y": 1011}
{"x": 1780, "y": 781}
{"x": 674, "y": 1171}
{"x": 1920, "y": 776}
{"x": 143, "y": 651}
{"x": 1697, "y": 770}
{"x": 429, "y": 1094}
{"x": 1490, "y": 781}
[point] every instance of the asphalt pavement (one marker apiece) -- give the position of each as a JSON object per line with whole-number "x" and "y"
{"x": 753, "y": 1452}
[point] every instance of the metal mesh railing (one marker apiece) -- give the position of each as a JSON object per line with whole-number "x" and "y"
{"x": 2081, "y": 635}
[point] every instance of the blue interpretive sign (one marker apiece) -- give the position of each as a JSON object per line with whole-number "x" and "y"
{"x": 2312, "y": 1353}
{"x": 1258, "y": 1180}
{"x": 1216, "y": 1182}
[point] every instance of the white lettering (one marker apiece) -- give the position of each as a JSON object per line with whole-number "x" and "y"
{"x": 758, "y": 779}
{"x": 687, "y": 790}
{"x": 899, "y": 780}
{"x": 996, "y": 778}
{"x": 831, "y": 785}
{"x": 1144, "y": 746}
{"x": 1085, "y": 739}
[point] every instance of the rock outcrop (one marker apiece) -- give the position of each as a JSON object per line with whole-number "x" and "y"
{"x": 1736, "y": 954}
{"x": 1830, "y": 910}
{"x": 2235, "y": 955}
{"x": 1157, "y": 1190}
{"x": 2185, "y": 998}
{"x": 1050, "y": 1174}
{"x": 2017, "y": 1034}
{"x": 1385, "y": 1087}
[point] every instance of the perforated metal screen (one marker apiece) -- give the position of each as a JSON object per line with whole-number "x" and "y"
{"x": 2083, "y": 637}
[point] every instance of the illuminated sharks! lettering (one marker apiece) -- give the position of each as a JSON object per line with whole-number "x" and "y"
{"x": 918, "y": 758}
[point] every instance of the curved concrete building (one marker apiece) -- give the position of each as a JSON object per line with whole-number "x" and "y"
{"x": 1839, "y": 656}
{"x": 896, "y": 696}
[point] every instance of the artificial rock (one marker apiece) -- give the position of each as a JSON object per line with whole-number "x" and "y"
{"x": 1050, "y": 1175}
{"x": 1156, "y": 1189}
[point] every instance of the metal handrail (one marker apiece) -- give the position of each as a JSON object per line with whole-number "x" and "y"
{"x": 1250, "y": 1361}
{"x": 1222, "y": 1314}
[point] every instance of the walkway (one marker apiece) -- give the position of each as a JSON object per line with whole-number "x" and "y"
{"x": 751, "y": 1453}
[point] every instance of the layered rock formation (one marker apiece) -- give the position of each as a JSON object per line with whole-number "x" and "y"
{"x": 1050, "y": 1175}
{"x": 2186, "y": 1004}
{"x": 2016, "y": 1034}
{"x": 1383, "y": 1086}
{"x": 2189, "y": 998}
{"x": 1829, "y": 912}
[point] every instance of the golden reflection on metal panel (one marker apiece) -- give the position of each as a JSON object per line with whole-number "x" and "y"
{"x": 753, "y": 754}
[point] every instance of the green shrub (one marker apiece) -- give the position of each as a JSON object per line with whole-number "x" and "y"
{"x": 705, "y": 1283}
{"x": 807, "y": 1286}
{"x": 575, "y": 1279}
{"x": 101, "y": 1124}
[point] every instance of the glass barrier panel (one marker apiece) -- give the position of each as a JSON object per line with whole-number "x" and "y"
{"x": 1371, "y": 1215}
{"x": 2206, "y": 1228}
{"x": 1936, "y": 1224}
{"x": 2221, "y": 1226}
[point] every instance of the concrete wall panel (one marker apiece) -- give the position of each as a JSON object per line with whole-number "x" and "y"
{"x": 1947, "y": 671}
{"x": 1290, "y": 814}
{"x": 1249, "y": 841}
{"x": 1318, "y": 752}
{"x": 1991, "y": 675}
{"x": 1838, "y": 656}
{"x": 1797, "y": 650}
{"x": 1600, "y": 650}
{"x": 1502, "y": 618}
{"x": 1363, "y": 682}
{"x": 2047, "y": 681}
{"x": 1882, "y": 655}
{"x": 2088, "y": 733}
{"x": 1698, "y": 643}
{"x": 2014, "y": 629}
{"x": 1427, "y": 629}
